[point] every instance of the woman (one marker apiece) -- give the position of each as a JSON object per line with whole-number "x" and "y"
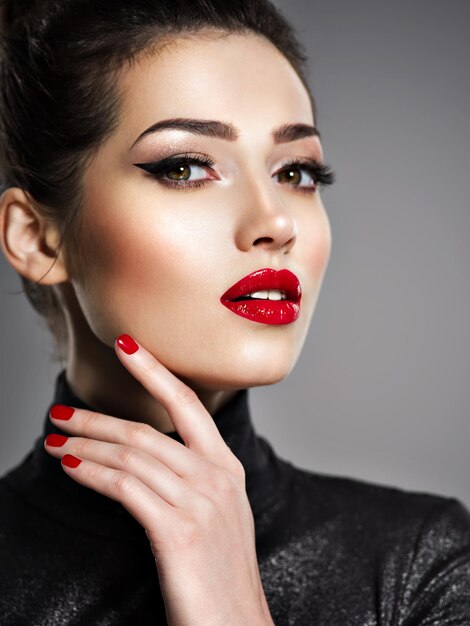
{"x": 161, "y": 172}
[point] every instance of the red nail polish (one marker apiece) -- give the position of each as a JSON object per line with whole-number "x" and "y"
{"x": 71, "y": 461}
{"x": 55, "y": 440}
{"x": 61, "y": 412}
{"x": 126, "y": 343}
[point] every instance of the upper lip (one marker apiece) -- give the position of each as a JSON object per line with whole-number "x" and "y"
{"x": 265, "y": 279}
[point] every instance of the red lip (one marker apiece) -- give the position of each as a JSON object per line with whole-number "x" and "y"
{"x": 275, "y": 312}
{"x": 264, "y": 279}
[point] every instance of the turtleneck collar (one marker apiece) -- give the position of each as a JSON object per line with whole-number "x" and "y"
{"x": 81, "y": 506}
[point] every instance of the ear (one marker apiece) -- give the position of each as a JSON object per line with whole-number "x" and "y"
{"x": 29, "y": 241}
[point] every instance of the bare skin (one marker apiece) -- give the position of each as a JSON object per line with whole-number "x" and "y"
{"x": 157, "y": 259}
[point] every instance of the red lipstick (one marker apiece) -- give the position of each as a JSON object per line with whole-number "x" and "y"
{"x": 266, "y": 311}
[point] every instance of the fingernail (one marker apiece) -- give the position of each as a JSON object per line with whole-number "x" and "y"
{"x": 61, "y": 412}
{"x": 70, "y": 461}
{"x": 56, "y": 440}
{"x": 126, "y": 343}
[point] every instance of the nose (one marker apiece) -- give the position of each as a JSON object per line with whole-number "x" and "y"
{"x": 265, "y": 221}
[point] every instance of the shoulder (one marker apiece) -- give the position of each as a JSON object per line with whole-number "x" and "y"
{"x": 418, "y": 542}
{"x": 364, "y": 497}
{"x": 384, "y": 521}
{"x": 390, "y": 509}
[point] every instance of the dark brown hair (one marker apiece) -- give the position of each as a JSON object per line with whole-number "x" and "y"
{"x": 59, "y": 101}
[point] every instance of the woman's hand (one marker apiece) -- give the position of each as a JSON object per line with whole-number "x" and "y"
{"x": 191, "y": 499}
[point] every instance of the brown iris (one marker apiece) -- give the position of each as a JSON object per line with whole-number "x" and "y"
{"x": 180, "y": 169}
{"x": 293, "y": 176}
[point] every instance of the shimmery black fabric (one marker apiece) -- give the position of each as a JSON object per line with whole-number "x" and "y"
{"x": 332, "y": 551}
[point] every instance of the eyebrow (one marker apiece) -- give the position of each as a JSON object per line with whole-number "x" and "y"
{"x": 227, "y": 131}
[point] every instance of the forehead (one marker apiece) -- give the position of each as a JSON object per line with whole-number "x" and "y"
{"x": 242, "y": 77}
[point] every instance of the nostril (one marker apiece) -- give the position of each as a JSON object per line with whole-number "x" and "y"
{"x": 267, "y": 239}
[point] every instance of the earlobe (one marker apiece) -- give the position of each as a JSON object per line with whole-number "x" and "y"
{"x": 29, "y": 242}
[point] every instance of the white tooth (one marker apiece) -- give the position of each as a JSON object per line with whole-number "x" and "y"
{"x": 270, "y": 294}
{"x": 259, "y": 294}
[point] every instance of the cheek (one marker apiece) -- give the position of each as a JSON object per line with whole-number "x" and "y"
{"x": 145, "y": 268}
{"x": 133, "y": 266}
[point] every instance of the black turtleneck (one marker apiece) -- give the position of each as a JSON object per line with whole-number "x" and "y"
{"x": 332, "y": 551}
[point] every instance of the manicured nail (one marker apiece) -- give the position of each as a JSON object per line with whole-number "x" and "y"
{"x": 126, "y": 343}
{"x": 61, "y": 412}
{"x": 56, "y": 440}
{"x": 70, "y": 461}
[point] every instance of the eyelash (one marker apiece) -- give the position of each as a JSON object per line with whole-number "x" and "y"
{"x": 321, "y": 173}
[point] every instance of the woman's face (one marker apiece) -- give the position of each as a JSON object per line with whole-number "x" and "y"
{"x": 159, "y": 258}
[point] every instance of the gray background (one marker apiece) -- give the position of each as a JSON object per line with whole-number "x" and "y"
{"x": 381, "y": 389}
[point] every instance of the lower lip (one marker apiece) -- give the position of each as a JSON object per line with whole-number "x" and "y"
{"x": 266, "y": 311}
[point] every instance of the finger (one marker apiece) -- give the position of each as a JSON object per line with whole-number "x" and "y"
{"x": 147, "y": 507}
{"x": 101, "y": 427}
{"x": 190, "y": 418}
{"x": 150, "y": 471}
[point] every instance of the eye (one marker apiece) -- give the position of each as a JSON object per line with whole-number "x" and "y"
{"x": 176, "y": 172}
{"x": 317, "y": 174}
{"x": 294, "y": 176}
{"x": 182, "y": 172}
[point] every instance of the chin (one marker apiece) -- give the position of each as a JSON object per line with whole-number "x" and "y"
{"x": 256, "y": 370}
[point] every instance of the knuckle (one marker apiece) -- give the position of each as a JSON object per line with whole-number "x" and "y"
{"x": 185, "y": 396}
{"x": 82, "y": 446}
{"x": 87, "y": 420}
{"x": 150, "y": 365}
{"x": 233, "y": 464}
{"x": 125, "y": 455}
{"x": 124, "y": 483}
{"x": 94, "y": 471}
{"x": 138, "y": 432}
{"x": 239, "y": 470}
